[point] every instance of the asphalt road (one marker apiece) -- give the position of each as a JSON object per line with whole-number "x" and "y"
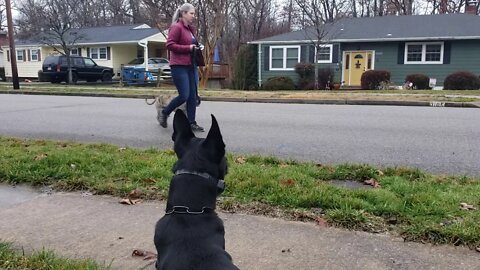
{"x": 439, "y": 140}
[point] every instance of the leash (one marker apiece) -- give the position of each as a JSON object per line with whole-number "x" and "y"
{"x": 150, "y": 103}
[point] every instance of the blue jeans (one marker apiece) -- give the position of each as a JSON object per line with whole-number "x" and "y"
{"x": 186, "y": 80}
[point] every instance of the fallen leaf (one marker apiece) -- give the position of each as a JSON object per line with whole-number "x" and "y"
{"x": 372, "y": 182}
{"x": 40, "y": 157}
{"x": 122, "y": 149}
{"x": 129, "y": 201}
{"x": 283, "y": 165}
{"x": 240, "y": 160}
{"x": 150, "y": 181}
{"x": 380, "y": 173}
{"x": 287, "y": 182}
{"x": 135, "y": 194}
{"x": 73, "y": 166}
{"x": 321, "y": 222}
{"x": 466, "y": 206}
{"x": 147, "y": 255}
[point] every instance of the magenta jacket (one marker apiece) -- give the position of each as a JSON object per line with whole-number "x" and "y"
{"x": 178, "y": 43}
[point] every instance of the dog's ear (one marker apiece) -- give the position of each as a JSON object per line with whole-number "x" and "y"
{"x": 213, "y": 144}
{"x": 182, "y": 133}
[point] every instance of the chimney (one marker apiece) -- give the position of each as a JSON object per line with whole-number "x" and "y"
{"x": 471, "y": 7}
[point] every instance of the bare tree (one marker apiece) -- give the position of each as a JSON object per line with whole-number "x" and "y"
{"x": 55, "y": 25}
{"x": 317, "y": 31}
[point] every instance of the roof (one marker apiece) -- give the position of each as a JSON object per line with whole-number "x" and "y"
{"x": 107, "y": 34}
{"x": 386, "y": 28}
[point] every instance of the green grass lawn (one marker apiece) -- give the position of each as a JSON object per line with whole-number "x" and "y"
{"x": 11, "y": 259}
{"x": 416, "y": 205}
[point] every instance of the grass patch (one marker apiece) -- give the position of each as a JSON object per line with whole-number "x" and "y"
{"x": 169, "y": 89}
{"x": 417, "y": 205}
{"x": 11, "y": 259}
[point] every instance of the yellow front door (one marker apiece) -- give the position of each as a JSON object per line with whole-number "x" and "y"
{"x": 356, "y": 63}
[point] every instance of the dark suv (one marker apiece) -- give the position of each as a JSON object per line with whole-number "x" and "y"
{"x": 54, "y": 69}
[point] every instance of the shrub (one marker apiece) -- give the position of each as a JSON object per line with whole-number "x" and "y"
{"x": 373, "y": 79}
{"x": 419, "y": 81}
{"x": 245, "y": 74}
{"x": 325, "y": 77}
{"x": 306, "y": 73}
{"x": 461, "y": 80}
{"x": 279, "y": 83}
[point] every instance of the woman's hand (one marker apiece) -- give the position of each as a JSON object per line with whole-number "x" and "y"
{"x": 192, "y": 46}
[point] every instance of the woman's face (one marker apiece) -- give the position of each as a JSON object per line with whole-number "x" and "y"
{"x": 189, "y": 16}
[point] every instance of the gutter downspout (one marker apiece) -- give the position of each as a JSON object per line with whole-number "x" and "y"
{"x": 144, "y": 44}
{"x": 259, "y": 65}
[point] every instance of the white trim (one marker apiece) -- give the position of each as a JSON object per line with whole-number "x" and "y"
{"x": 424, "y": 53}
{"x": 31, "y": 55}
{"x": 331, "y": 54}
{"x": 284, "y": 57}
{"x": 23, "y": 55}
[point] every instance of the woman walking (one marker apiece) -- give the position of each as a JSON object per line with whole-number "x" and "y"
{"x": 183, "y": 47}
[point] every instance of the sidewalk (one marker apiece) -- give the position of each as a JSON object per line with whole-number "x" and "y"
{"x": 98, "y": 227}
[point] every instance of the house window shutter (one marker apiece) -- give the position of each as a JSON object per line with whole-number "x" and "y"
{"x": 24, "y": 54}
{"x": 29, "y": 56}
{"x": 79, "y": 51}
{"x": 88, "y": 52}
{"x": 335, "y": 53}
{"x": 108, "y": 53}
{"x": 303, "y": 54}
{"x": 311, "y": 54}
{"x": 401, "y": 53}
{"x": 266, "y": 58}
{"x": 447, "y": 48}
{"x": 8, "y": 55}
{"x": 39, "y": 54}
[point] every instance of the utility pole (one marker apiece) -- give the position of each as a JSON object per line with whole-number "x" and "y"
{"x": 13, "y": 55}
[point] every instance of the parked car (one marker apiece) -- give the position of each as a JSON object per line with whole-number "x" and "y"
{"x": 55, "y": 70}
{"x": 155, "y": 64}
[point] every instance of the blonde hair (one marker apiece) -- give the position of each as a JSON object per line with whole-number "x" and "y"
{"x": 183, "y": 8}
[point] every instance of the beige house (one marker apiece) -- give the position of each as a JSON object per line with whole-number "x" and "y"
{"x": 111, "y": 46}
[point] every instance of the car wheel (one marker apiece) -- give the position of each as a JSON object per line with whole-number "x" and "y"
{"x": 74, "y": 77}
{"x": 107, "y": 77}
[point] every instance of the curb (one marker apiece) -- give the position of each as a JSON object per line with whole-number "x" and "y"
{"x": 269, "y": 100}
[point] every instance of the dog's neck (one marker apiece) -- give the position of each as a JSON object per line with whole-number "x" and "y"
{"x": 192, "y": 191}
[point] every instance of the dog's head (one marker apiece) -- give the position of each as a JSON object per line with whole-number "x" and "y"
{"x": 198, "y": 154}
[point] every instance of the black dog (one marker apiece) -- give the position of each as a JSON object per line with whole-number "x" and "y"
{"x": 191, "y": 235}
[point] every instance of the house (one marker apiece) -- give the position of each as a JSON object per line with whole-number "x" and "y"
{"x": 111, "y": 46}
{"x": 434, "y": 45}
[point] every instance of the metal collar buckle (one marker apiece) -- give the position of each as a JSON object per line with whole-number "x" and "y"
{"x": 186, "y": 210}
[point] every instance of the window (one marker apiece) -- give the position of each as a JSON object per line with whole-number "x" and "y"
{"x": 74, "y": 51}
{"x": 284, "y": 57}
{"x": 325, "y": 54}
{"x": 89, "y": 62}
{"x": 424, "y": 53}
{"x": 20, "y": 56}
{"x": 98, "y": 53}
{"x": 34, "y": 54}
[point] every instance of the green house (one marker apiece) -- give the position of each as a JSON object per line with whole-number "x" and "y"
{"x": 434, "y": 45}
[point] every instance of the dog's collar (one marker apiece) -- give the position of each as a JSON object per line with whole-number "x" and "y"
{"x": 220, "y": 183}
{"x": 186, "y": 210}
{"x": 180, "y": 209}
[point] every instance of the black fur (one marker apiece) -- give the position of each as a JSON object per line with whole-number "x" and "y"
{"x": 189, "y": 241}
